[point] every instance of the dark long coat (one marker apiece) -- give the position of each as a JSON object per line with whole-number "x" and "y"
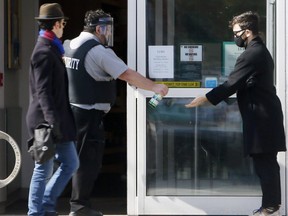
{"x": 260, "y": 108}
{"x": 48, "y": 90}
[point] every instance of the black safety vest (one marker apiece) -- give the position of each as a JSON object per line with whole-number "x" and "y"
{"x": 84, "y": 89}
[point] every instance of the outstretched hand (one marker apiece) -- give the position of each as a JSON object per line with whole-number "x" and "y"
{"x": 198, "y": 101}
{"x": 161, "y": 89}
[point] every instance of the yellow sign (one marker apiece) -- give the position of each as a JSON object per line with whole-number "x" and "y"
{"x": 181, "y": 84}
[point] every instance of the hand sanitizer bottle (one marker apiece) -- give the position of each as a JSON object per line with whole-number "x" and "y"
{"x": 154, "y": 101}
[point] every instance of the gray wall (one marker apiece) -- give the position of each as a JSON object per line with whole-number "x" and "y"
{"x": 29, "y": 32}
{"x": 2, "y": 148}
{"x": 14, "y": 97}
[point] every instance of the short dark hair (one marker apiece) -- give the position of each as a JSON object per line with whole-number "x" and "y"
{"x": 248, "y": 20}
{"x": 92, "y": 18}
{"x": 47, "y": 24}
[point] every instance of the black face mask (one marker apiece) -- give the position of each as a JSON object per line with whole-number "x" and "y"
{"x": 240, "y": 42}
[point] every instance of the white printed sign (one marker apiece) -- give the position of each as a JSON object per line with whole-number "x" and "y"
{"x": 191, "y": 53}
{"x": 161, "y": 62}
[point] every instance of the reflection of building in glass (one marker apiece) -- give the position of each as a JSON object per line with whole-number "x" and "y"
{"x": 197, "y": 151}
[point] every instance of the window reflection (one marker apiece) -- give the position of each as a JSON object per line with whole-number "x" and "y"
{"x": 201, "y": 23}
{"x": 197, "y": 151}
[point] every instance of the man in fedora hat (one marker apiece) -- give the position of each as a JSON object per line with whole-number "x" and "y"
{"x": 49, "y": 104}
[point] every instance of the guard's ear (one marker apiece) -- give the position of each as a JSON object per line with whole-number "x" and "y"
{"x": 98, "y": 29}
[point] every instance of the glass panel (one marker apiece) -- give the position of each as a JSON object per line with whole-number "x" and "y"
{"x": 197, "y": 151}
{"x": 203, "y": 51}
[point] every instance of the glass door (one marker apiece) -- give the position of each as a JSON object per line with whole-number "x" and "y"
{"x": 189, "y": 161}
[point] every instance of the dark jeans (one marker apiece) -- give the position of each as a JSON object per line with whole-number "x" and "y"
{"x": 268, "y": 171}
{"x": 90, "y": 147}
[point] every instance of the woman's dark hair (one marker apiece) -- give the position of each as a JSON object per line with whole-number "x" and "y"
{"x": 92, "y": 18}
{"x": 248, "y": 20}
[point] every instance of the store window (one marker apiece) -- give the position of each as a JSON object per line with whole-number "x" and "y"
{"x": 199, "y": 151}
{"x": 189, "y": 43}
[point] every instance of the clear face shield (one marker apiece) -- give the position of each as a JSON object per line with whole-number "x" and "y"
{"x": 106, "y": 26}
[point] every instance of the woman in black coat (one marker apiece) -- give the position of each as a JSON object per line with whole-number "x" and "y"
{"x": 49, "y": 103}
{"x": 260, "y": 108}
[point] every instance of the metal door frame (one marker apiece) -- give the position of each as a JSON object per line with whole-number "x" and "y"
{"x": 137, "y": 201}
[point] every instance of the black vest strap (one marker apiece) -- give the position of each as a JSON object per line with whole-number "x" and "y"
{"x": 84, "y": 89}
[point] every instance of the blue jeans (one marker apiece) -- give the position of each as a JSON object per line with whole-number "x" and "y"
{"x": 46, "y": 187}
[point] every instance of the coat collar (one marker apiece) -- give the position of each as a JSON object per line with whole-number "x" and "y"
{"x": 44, "y": 41}
{"x": 254, "y": 41}
{"x": 48, "y": 43}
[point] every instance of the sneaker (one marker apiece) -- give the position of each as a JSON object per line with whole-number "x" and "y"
{"x": 85, "y": 212}
{"x": 270, "y": 211}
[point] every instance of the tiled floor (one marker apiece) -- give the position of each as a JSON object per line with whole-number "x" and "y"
{"x": 108, "y": 206}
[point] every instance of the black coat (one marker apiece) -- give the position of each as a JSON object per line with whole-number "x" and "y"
{"x": 260, "y": 108}
{"x": 48, "y": 84}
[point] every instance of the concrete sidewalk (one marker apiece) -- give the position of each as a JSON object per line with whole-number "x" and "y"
{"x": 108, "y": 206}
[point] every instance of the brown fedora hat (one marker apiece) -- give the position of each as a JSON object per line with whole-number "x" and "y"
{"x": 50, "y": 11}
